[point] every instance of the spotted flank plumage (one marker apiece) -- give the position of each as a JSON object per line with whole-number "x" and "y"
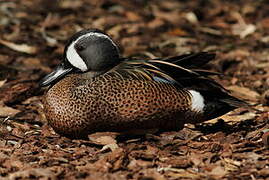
{"x": 105, "y": 92}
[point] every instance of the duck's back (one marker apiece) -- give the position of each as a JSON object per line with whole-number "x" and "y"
{"x": 77, "y": 106}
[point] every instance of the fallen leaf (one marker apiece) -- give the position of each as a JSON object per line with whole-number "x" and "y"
{"x": 231, "y": 165}
{"x": 264, "y": 172}
{"x": 112, "y": 147}
{"x": 115, "y": 31}
{"x": 18, "y": 91}
{"x": 241, "y": 28}
{"x": 265, "y": 22}
{"x": 265, "y": 139}
{"x": 2, "y": 82}
{"x": 152, "y": 174}
{"x": 231, "y": 118}
{"x": 191, "y": 17}
{"x": 107, "y": 139}
{"x": 7, "y": 111}
{"x": 3, "y": 131}
{"x": 132, "y": 16}
{"x": 179, "y": 173}
{"x": 30, "y": 173}
{"x": 113, "y": 161}
{"x": 103, "y": 138}
{"x": 210, "y": 31}
{"x": 167, "y": 16}
{"x": 218, "y": 171}
{"x": 196, "y": 159}
{"x": 244, "y": 93}
{"x": 34, "y": 63}
{"x": 155, "y": 23}
{"x": 70, "y": 4}
{"x": 160, "y": 169}
{"x": 138, "y": 163}
{"x": 51, "y": 41}
{"x": 265, "y": 97}
{"x": 19, "y": 47}
{"x": 178, "y": 32}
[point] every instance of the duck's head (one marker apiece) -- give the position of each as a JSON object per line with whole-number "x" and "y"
{"x": 86, "y": 51}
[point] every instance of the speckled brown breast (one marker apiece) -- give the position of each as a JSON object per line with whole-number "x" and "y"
{"x": 76, "y": 106}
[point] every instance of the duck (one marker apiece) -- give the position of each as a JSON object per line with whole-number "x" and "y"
{"x": 95, "y": 89}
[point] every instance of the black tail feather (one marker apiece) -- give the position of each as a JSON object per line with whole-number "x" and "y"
{"x": 234, "y": 102}
{"x": 192, "y": 60}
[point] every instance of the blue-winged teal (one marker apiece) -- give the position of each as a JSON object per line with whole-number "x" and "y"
{"x": 94, "y": 89}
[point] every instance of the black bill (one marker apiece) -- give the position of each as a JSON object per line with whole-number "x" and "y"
{"x": 55, "y": 75}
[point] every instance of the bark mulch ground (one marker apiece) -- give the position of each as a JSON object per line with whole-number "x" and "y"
{"x": 234, "y": 146}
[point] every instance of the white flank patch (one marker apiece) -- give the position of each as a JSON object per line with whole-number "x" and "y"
{"x": 197, "y": 101}
{"x": 74, "y": 58}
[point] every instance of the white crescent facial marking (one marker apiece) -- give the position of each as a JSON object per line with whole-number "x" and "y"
{"x": 197, "y": 101}
{"x": 74, "y": 58}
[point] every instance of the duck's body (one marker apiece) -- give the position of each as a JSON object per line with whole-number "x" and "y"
{"x": 135, "y": 95}
{"x": 108, "y": 103}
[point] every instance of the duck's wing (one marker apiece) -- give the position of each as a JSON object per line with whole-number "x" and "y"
{"x": 152, "y": 70}
{"x": 182, "y": 71}
{"x": 174, "y": 69}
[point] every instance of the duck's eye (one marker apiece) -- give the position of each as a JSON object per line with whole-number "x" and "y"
{"x": 79, "y": 47}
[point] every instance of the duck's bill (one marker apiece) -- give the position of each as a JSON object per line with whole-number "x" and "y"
{"x": 55, "y": 75}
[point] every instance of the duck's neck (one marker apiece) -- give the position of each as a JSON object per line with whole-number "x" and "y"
{"x": 92, "y": 74}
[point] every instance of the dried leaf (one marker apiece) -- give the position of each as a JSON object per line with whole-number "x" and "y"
{"x": 231, "y": 118}
{"x": 2, "y": 82}
{"x": 152, "y": 174}
{"x": 231, "y": 165}
{"x": 17, "y": 91}
{"x": 35, "y": 172}
{"x": 103, "y": 138}
{"x": 218, "y": 171}
{"x": 3, "y": 131}
{"x": 179, "y": 173}
{"x": 265, "y": 138}
{"x": 155, "y": 23}
{"x": 241, "y": 28}
{"x": 132, "y": 16}
{"x": 19, "y": 47}
{"x": 34, "y": 63}
{"x": 265, "y": 97}
{"x": 244, "y": 93}
{"x": 70, "y": 4}
{"x": 7, "y": 111}
{"x": 178, "y": 32}
{"x": 112, "y": 147}
{"x": 191, "y": 17}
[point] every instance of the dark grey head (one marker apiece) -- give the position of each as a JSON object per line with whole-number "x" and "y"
{"x": 87, "y": 50}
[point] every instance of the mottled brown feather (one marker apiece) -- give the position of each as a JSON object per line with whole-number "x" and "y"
{"x": 77, "y": 106}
